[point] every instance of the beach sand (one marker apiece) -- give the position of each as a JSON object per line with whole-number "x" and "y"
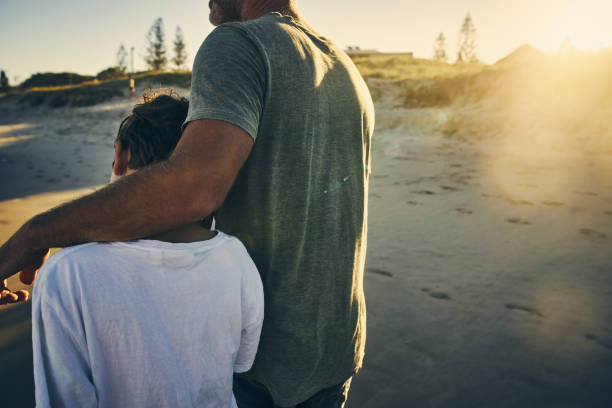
{"x": 47, "y": 157}
{"x": 489, "y": 271}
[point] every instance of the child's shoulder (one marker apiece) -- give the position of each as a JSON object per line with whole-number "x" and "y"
{"x": 57, "y": 274}
{"x": 78, "y": 253}
{"x": 69, "y": 254}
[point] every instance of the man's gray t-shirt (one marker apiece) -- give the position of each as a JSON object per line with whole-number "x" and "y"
{"x": 299, "y": 204}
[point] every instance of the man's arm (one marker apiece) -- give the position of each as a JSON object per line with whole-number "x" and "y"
{"x": 189, "y": 186}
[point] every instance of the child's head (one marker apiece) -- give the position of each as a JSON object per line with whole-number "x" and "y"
{"x": 149, "y": 134}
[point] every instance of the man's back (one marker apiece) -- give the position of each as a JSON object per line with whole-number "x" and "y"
{"x": 145, "y": 323}
{"x": 300, "y": 202}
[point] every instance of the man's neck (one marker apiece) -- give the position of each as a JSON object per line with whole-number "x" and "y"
{"x": 187, "y": 233}
{"x": 257, "y": 8}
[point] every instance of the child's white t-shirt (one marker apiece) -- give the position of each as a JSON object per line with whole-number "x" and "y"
{"x": 145, "y": 324}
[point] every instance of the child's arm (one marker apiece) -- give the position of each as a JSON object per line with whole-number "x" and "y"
{"x": 253, "y": 314}
{"x": 61, "y": 365}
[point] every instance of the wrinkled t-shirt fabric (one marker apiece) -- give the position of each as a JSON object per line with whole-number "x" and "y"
{"x": 145, "y": 324}
{"x": 299, "y": 204}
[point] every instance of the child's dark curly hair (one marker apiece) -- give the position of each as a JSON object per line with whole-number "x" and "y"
{"x": 153, "y": 129}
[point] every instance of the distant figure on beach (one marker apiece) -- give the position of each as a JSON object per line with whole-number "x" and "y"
{"x": 162, "y": 321}
{"x": 277, "y": 144}
{"x": 131, "y": 86}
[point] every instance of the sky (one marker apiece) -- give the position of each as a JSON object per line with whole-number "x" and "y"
{"x": 84, "y": 36}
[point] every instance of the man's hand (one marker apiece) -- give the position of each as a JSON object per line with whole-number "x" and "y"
{"x": 16, "y": 257}
{"x": 6, "y": 296}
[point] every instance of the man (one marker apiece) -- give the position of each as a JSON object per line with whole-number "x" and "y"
{"x": 145, "y": 348}
{"x": 280, "y": 121}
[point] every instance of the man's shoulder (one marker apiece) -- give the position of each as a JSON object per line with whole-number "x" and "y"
{"x": 265, "y": 21}
{"x": 261, "y": 31}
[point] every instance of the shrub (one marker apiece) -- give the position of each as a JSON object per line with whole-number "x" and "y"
{"x": 110, "y": 73}
{"x": 55, "y": 79}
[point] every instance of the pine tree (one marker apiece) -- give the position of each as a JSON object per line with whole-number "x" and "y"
{"x": 440, "y": 48}
{"x": 467, "y": 41}
{"x": 4, "y": 82}
{"x": 180, "y": 56}
{"x": 122, "y": 58}
{"x": 156, "y": 49}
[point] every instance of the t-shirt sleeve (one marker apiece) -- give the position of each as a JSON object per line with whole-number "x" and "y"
{"x": 228, "y": 80}
{"x": 252, "y": 319}
{"x": 61, "y": 367}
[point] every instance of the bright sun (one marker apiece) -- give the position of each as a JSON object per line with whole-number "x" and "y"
{"x": 579, "y": 21}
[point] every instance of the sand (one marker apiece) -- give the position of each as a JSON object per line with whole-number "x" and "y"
{"x": 489, "y": 269}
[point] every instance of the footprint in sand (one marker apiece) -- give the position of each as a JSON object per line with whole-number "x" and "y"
{"x": 464, "y": 210}
{"x": 380, "y": 272}
{"x": 449, "y": 188}
{"x": 424, "y": 192}
{"x": 518, "y": 221}
{"x": 553, "y": 203}
{"x": 526, "y": 309}
{"x": 586, "y": 193}
{"x": 591, "y": 233}
{"x": 4, "y": 222}
{"x": 608, "y": 212}
{"x": 604, "y": 343}
{"x": 456, "y": 165}
{"x": 518, "y": 202}
{"x": 436, "y": 295}
{"x": 411, "y": 202}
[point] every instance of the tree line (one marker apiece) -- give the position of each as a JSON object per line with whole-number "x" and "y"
{"x": 156, "y": 54}
{"x": 466, "y": 44}
{"x": 156, "y": 58}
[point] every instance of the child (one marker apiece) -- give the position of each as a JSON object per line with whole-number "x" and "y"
{"x": 162, "y": 321}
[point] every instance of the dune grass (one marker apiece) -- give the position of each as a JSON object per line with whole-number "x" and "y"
{"x": 528, "y": 94}
{"x": 519, "y": 79}
{"x": 424, "y": 83}
{"x": 402, "y": 67}
{"x": 95, "y": 92}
